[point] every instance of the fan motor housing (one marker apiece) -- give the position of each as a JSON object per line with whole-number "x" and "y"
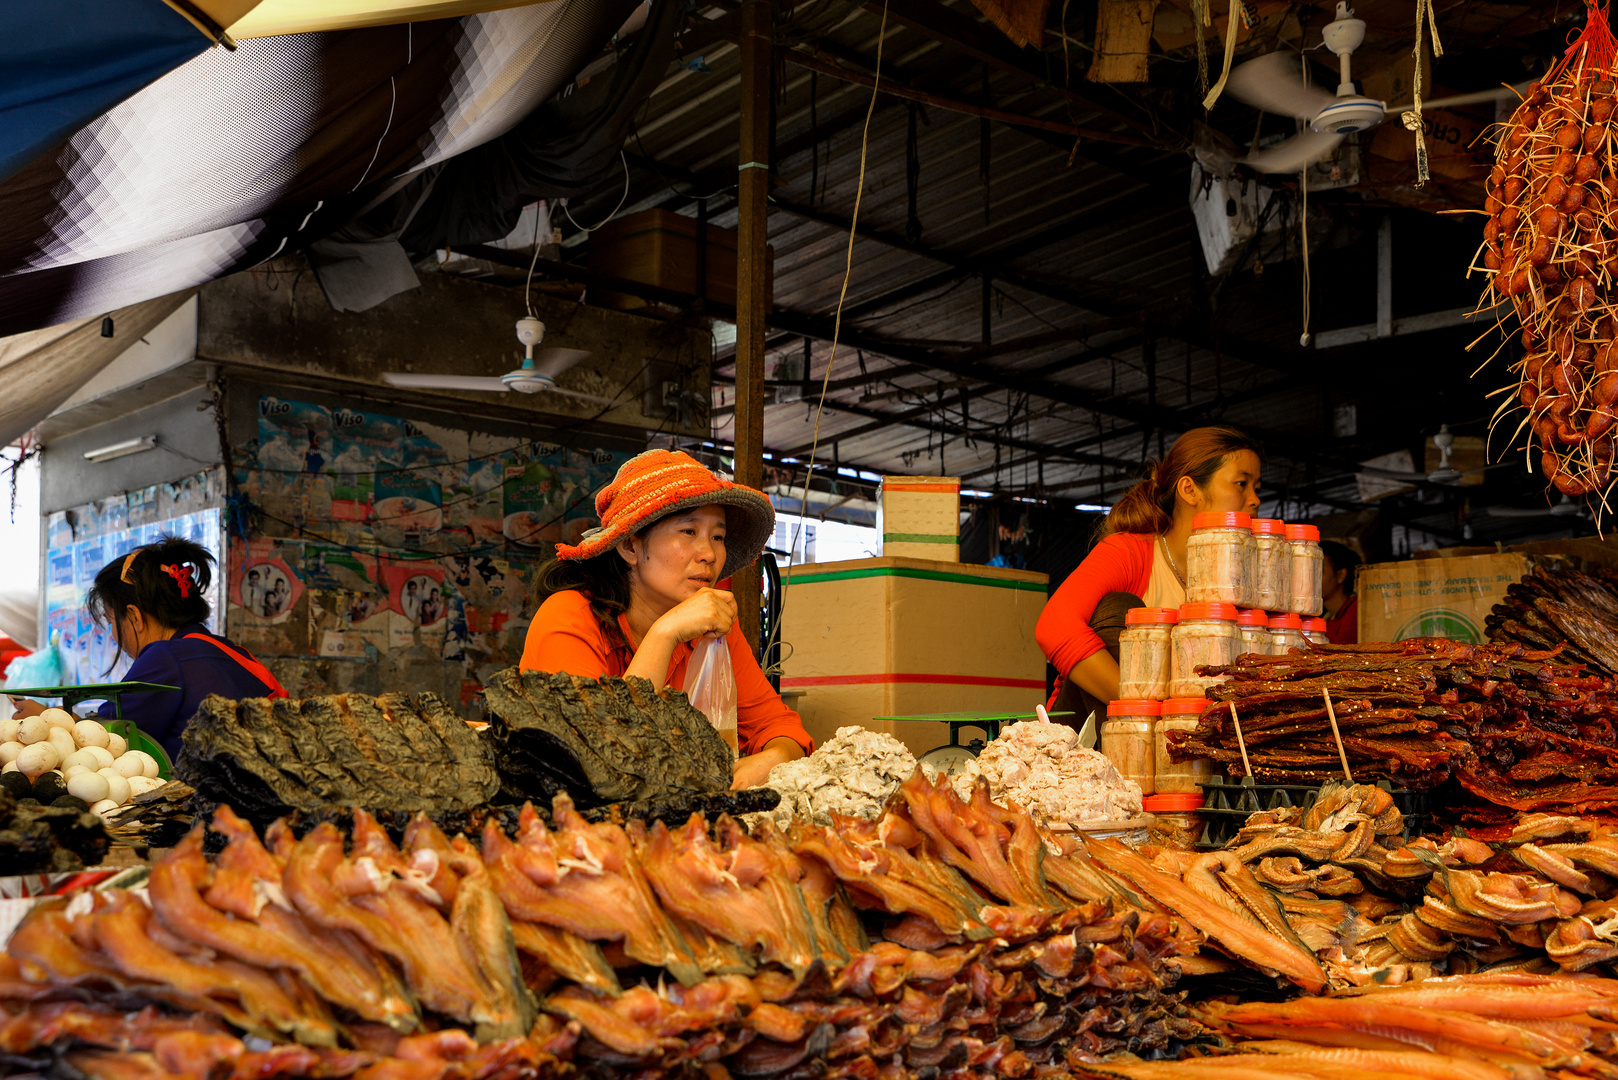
{"x": 1347, "y": 115}
{"x": 527, "y": 382}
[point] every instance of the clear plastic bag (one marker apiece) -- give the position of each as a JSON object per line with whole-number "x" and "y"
{"x": 710, "y": 683}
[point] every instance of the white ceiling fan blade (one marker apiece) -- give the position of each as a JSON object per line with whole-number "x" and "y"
{"x": 1477, "y": 97}
{"x": 584, "y": 397}
{"x": 479, "y": 383}
{"x": 553, "y": 362}
{"x": 1295, "y": 154}
{"x": 1274, "y": 83}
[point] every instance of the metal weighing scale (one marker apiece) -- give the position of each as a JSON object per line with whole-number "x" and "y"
{"x": 113, "y": 692}
{"x": 952, "y": 756}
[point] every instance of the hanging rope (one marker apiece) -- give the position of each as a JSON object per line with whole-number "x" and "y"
{"x": 1201, "y": 16}
{"x": 1412, "y": 119}
{"x": 1231, "y": 19}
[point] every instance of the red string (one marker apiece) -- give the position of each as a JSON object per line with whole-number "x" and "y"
{"x": 182, "y": 577}
{"x": 1597, "y": 42}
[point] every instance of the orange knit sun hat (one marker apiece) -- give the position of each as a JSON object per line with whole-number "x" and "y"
{"x": 657, "y": 483}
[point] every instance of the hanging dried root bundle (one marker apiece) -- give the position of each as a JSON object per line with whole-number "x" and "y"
{"x": 1551, "y": 250}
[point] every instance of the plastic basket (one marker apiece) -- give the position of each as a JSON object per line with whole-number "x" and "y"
{"x": 1228, "y": 803}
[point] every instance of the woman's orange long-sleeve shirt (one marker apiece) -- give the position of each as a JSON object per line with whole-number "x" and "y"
{"x": 1121, "y": 562}
{"x": 565, "y": 636}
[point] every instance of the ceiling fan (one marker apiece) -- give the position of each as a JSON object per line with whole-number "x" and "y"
{"x": 537, "y": 374}
{"x": 1275, "y": 84}
{"x": 1445, "y": 473}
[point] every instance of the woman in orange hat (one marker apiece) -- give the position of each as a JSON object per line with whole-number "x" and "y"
{"x": 633, "y": 595}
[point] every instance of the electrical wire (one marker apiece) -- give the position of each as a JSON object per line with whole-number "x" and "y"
{"x": 621, "y": 200}
{"x": 837, "y": 326}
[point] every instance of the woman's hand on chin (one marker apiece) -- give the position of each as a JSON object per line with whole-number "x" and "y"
{"x": 709, "y": 613}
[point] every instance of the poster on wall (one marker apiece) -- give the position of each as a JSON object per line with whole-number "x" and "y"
{"x": 263, "y": 585}
{"x": 416, "y": 596}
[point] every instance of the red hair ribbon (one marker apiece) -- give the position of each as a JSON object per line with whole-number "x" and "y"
{"x": 182, "y": 577}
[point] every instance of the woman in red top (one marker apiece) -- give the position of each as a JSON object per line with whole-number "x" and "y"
{"x": 634, "y": 594}
{"x": 1342, "y": 605}
{"x": 1141, "y": 559}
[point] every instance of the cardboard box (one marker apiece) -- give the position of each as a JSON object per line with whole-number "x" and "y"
{"x": 919, "y": 517}
{"x": 1435, "y": 597}
{"x": 660, "y": 248}
{"x": 895, "y": 637}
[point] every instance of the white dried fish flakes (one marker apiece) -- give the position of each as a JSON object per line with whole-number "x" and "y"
{"x": 1042, "y": 768}
{"x": 852, "y": 773}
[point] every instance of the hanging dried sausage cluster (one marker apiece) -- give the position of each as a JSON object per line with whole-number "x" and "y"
{"x": 1552, "y": 256}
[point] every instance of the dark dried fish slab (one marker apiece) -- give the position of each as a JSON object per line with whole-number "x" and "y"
{"x": 604, "y": 740}
{"x": 268, "y": 758}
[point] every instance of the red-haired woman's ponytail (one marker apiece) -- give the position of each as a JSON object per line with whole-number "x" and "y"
{"x": 1148, "y": 507}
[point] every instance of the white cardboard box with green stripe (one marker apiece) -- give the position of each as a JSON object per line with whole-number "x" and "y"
{"x": 897, "y": 636}
{"x": 919, "y": 517}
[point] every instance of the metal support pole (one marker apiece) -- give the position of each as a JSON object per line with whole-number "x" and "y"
{"x": 752, "y": 301}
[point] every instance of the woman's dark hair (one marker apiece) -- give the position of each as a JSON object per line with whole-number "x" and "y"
{"x": 604, "y": 579}
{"x": 1341, "y": 557}
{"x": 166, "y": 580}
{"x": 1148, "y": 507}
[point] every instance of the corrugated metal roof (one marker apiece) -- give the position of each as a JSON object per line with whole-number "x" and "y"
{"x": 1104, "y": 222}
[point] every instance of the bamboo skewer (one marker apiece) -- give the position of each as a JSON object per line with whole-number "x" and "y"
{"x": 1331, "y": 714}
{"x": 1240, "y": 742}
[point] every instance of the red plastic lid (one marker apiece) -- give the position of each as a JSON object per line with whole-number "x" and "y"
{"x": 1207, "y": 611}
{"x": 1214, "y": 520}
{"x": 1286, "y": 622}
{"x": 1134, "y": 707}
{"x": 1159, "y": 804}
{"x": 1295, "y": 532}
{"x": 1184, "y": 706}
{"x": 1269, "y": 526}
{"x": 1314, "y": 624}
{"x": 1142, "y": 616}
{"x": 1252, "y": 617}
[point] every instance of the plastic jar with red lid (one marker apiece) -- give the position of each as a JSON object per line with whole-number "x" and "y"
{"x": 1205, "y": 635}
{"x": 1144, "y": 652}
{"x": 1179, "y": 777}
{"x": 1221, "y": 560}
{"x": 1178, "y": 824}
{"x": 1127, "y": 739}
{"x": 1308, "y": 570}
{"x": 1253, "y": 626}
{"x": 1314, "y": 630}
{"x": 1287, "y": 631}
{"x": 1274, "y": 566}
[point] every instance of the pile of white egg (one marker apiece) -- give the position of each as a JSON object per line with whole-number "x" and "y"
{"x": 94, "y": 764}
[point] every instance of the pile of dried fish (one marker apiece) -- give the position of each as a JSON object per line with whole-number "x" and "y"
{"x": 941, "y": 936}
{"x": 853, "y": 773}
{"x": 1497, "y": 1026}
{"x": 1043, "y": 769}
{"x": 1562, "y": 608}
{"x": 602, "y": 741}
{"x": 1517, "y": 729}
{"x": 37, "y": 839}
{"x": 266, "y": 758}
{"x": 1332, "y": 895}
